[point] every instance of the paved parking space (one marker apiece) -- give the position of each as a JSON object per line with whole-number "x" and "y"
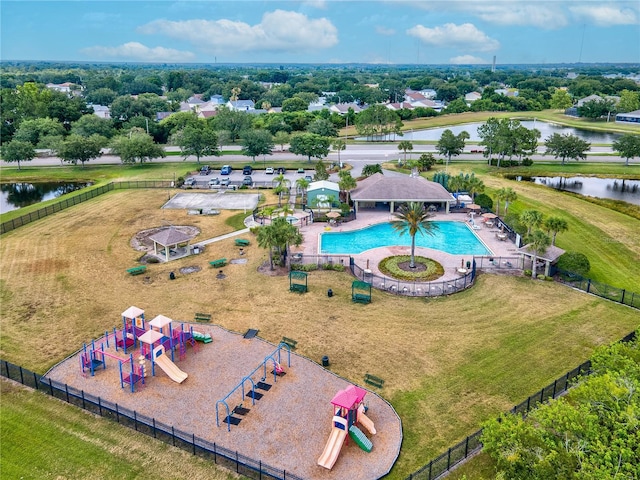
{"x": 215, "y": 200}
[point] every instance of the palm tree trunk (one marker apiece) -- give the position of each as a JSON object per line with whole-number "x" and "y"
{"x": 533, "y": 265}
{"x": 412, "y": 262}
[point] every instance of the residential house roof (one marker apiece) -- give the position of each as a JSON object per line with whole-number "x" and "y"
{"x": 323, "y": 184}
{"x": 243, "y": 105}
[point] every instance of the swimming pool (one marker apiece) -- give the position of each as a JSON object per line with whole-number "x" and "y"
{"x": 454, "y": 238}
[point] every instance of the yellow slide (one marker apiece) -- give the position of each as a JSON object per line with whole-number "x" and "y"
{"x": 171, "y": 369}
{"x": 365, "y": 421}
{"x": 334, "y": 444}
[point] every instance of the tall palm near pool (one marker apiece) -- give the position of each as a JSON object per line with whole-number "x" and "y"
{"x": 413, "y": 218}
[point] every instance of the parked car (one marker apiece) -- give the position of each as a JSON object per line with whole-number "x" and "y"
{"x": 214, "y": 182}
{"x": 268, "y": 170}
{"x": 226, "y": 170}
{"x": 224, "y": 182}
{"x": 308, "y": 178}
{"x": 190, "y": 182}
{"x": 247, "y": 180}
{"x": 301, "y": 170}
{"x": 281, "y": 170}
{"x": 247, "y": 170}
{"x": 205, "y": 170}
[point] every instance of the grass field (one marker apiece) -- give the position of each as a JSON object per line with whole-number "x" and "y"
{"x": 449, "y": 363}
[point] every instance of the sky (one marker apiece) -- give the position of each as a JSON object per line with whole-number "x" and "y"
{"x": 322, "y": 31}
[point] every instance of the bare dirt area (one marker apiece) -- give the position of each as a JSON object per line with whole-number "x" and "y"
{"x": 276, "y": 271}
{"x": 287, "y": 428}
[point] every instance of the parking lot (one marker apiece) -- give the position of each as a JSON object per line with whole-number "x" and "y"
{"x": 214, "y": 179}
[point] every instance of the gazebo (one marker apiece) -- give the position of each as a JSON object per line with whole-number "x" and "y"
{"x": 169, "y": 239}
{"x": 549, "y": 257}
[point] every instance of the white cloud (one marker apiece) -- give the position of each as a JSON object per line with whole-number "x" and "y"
{"x": 467, "y": 60}
{"x": 465, "y": 36}
{"x": 385, "y": 31}
{"x": 280, "y": 30}
{"x": 139, "y": 52}
{"x": 604, "y": 15}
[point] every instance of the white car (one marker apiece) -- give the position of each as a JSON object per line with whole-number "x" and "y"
{"x": 268, "y": 170}
{"x": 190, "y": 182}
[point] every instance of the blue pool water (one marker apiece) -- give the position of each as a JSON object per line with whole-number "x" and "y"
{"x": 454, "y": 238}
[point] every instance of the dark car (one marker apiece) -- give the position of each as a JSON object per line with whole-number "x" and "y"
{"x": 205, "y": 170}
{"x": 247, "y": 180}
{"x": 308, "y": 178}
{"x": 281, "y": 170}
{"x": 247, "y": 170}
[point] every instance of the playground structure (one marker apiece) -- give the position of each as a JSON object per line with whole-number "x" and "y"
{"x": 155, "y": 343}
{"x": 275, "y": 359}
{"x": 348, "y": 409}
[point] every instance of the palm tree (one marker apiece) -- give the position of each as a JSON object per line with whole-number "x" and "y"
{"x": 555, "y": 225}
{"x": 339, "y": 145}
{"x": 267, "y": 239}
{"x": 301, "y": 185}
{"x": 507, "y": 195}
{"x": 531, "y": 219}
{"x": 540, "y": 241}
{"x": 413, "y": 218}
{"x": 456, "y": 184}
{"x": 405, "y": 145}
{"x": 282, "y": 185}
{"x": 346, "y": 183}
{"x": 474, "y": 185}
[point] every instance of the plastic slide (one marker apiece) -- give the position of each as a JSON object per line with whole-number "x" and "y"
{"x": 361, "y": 440}
{"x": 334, "y": 444}
{"x": 171, "y": 369}
{"x": 365, "y": 421}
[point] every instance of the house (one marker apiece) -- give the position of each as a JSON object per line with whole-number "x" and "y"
{"x": 573, "y": 111}
{"x": 216, "y": 100}
{"x": 207, "y": 113}
{"x": 507, "y": 92}
{"x": 379, "y": 192}
{"x": 65, "y": 87}
{"x": 629, "y": 117}
{"x": 343, "y": 108}
{"x": 101, "y": 111}
{"x": 323, "y": 194}
{"x": 400, "y": 106}
{"x": 472, "y": 97}
{"x": 241, "y": 105}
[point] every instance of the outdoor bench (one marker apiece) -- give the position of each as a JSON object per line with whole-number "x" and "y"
{"x": 137, "y": 270}
{"x": 242, "y": 242}
{"x": 361, "y": 298}
{"x": 289, "y": 341}
{"x": 202, "y": 317}
{"x": 299, "y": 288}
{"x": 221, "y": 262}
{"x": 373, "y": 380}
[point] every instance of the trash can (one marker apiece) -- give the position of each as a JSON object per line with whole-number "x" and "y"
{"x": 329, "y": 293}
{"x": 468, "y": 265}
{"x": 172, "y": 276}
{"x": 325, "y": 361}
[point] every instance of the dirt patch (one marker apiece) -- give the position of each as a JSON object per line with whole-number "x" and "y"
{"x": 418, "y": 267}
{"x": 141, "y": 241}
{"x": 277, "y": 271}
{"x": 191, "y": 269}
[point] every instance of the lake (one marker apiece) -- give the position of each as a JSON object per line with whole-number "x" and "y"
{"x": 612, "y": 188}
{"x": 14, "y": 196}
{"x": 546, "y": 129}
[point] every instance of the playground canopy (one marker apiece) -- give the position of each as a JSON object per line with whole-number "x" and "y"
{"x": 349, "y": 397}
{"x": 132, "y": 313}
{"x": 160, "y": 321}
{"x": 150, "y": 337}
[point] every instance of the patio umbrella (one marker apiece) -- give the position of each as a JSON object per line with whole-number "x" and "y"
{"x": 489, "y": 216}
{"x": 334, "y": 214}
{"x": 473, "y": 206}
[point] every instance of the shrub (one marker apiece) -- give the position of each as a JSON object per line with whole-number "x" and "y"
{"x": 527, "y": 162}
{"x": 574, "y": 262}
{"x": 300, "y": 267}
{"x": 390, "y": 267}
{"x": 485, "y": 201}
{"x": 527, "y": 273}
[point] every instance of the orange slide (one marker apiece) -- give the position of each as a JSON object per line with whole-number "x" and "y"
{"x": 171, "y": 369}
{"x": 334, "y": 444}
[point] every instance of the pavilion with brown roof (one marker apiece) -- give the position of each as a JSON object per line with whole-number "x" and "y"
{"x": 169, "y": 239}
{"x": 379, "y": 191}
{"x": 549, "y": 257}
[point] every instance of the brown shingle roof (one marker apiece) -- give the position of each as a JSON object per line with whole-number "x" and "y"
{"x": 379, "y": 188}
{"x": 170, "y": 236}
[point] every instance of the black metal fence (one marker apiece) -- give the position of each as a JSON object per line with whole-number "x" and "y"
{"x": 620, "y": 295}
{"x": 224, "y": 457}
{"x": 76, "y": 198}
{"x": 439, "y": 466}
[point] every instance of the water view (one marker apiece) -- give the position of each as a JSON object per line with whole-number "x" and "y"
{"x": 612, "y": 188}
{"x": 18, "y": 195}
{"x": 546, "y": 129}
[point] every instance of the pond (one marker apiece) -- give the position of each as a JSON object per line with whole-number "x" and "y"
{"x": 14, "y": 196}
{"x": 612, "y": 188}
{"x": 546, "y": 129}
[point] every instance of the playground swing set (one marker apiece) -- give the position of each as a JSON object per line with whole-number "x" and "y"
{"x": 348, "y": 409}
{"x": 156, "y": 343}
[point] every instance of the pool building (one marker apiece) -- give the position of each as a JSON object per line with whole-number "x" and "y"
{"x": 379, "y": 192}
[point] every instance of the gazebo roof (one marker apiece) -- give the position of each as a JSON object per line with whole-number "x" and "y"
{"x": 169, "y": 236}
{"x": 551, "y": 255}
{"x": 405, "y": 188}
{"x": 133, "y": 312}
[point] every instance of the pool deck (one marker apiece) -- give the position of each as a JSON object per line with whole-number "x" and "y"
{"x": 370, "y": 258}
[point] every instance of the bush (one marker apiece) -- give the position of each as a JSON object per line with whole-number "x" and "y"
{"x": 308, "y": 267}
{"x": 485, "y": 201}
{"x": 527, "y": 273}
{"x": 574, "y": 262}
{"x": 527, "y": 162}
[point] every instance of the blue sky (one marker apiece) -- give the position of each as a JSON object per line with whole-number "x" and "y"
{"x": 322, "y": 31}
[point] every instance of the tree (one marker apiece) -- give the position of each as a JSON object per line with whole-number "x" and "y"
{"x": 90, "y": 124}
{"x": 339, "y": 145}
{"x": 369, "y": 170}
{"x": 77, "y": 148}
{"x": 455, "y": 184}
{"x": 18, "y": 151}
{"x": 378, "y": 122}
{"x": 554, "y": 226}
{"x": 566, "y": 146}
{"x": 574, "y": 262}
{"x": 295, "y": 104}
{"x": 138, "y": 146}
{"x": 322, "y": 127}
{"x": 301, "y": 186}
{"x": 596, "y": 108}
{"x": 412, "y": 218}
{"x": 539, "y": 243}
{"x": 507, "y": 195}
{"x": 488, "y": 132}
{"x": 560, "y": 100}
{"x": 198, "y": 140}
{"x": 257, "y": 142}
{"x": 321, "y": 172}
{"x": 451, "y": 145}
{"x": 531, "y": 219}
{"x": 629, "y": 101}
{"x": 33, "y": 130}
{"x": 281, "y": 138}
{"x": 405, "y": 145}
{"x": 474, "y": 185}
{"x": 628, "y": 146}
{"x": 266, "y": 238}
{"x": 425, "y": 162}
{"x": 279, "y": 235}
{"x": 282, "y": 185}
{"x": 233, "y": 122}
{"x": 346, "y": 183}
{"x": 310, "y": 145}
